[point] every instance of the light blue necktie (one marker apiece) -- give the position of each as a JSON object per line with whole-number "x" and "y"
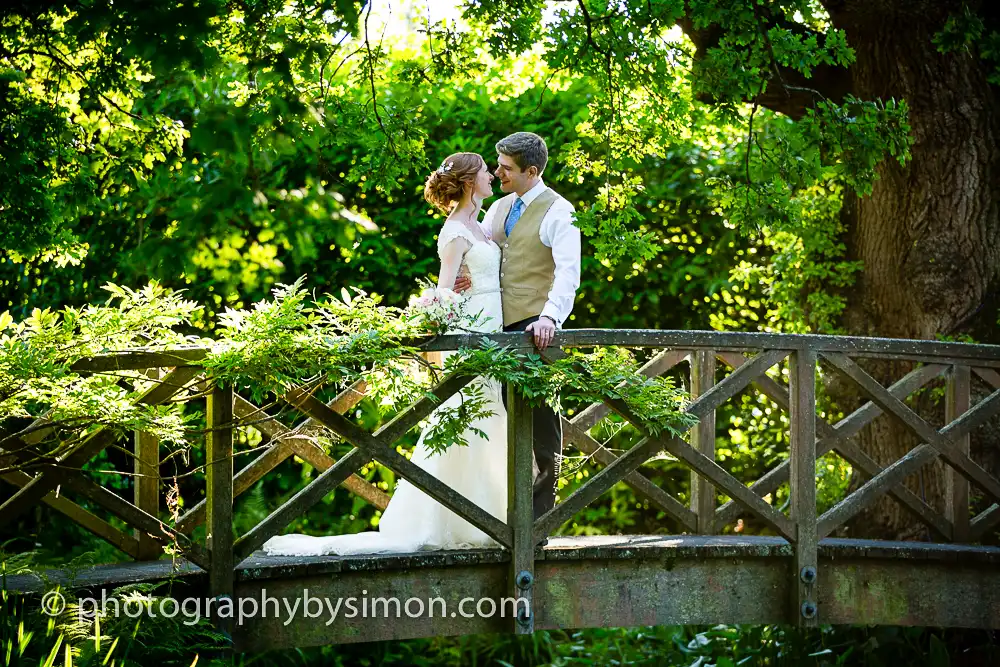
{"x": 515, "y": 215}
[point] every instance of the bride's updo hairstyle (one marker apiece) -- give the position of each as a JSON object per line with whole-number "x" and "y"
{"x": 446, "y": 184}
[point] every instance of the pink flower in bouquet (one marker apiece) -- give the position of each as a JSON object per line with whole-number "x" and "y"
{"x": 438, "y": 307}
{"x": 422, "y": 302}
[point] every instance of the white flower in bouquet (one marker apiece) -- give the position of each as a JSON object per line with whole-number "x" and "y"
{"x": 440, "y": 308}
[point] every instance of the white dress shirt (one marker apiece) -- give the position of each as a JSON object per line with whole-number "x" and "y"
{"x": 560, "y": 234}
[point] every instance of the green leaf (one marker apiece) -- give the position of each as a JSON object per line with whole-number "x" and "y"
{"x": 938, "y": 656}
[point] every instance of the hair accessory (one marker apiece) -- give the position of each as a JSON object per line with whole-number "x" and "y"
{"x": 446, "y": 167}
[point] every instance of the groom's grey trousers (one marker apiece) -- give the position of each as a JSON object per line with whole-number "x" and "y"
{"x": 547, "y": 437}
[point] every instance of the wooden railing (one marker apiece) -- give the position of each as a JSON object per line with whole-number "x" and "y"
{"x": 749, "y": 356}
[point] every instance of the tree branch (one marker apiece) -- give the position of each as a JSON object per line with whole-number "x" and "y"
{"x": 788, "y": 92}
{"x": 371, "y": 81}
{"x": 589, "y": 22}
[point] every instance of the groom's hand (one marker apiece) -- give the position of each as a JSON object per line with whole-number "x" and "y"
{"x": 462, "y": 283}
{"x": 543, "y": 331}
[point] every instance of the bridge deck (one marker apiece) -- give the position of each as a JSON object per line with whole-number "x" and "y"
{"x": 609, "y": 581}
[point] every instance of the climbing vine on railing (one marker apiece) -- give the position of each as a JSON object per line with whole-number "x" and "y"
{"x": 37, "y": 355}
{"x": 273, "y": 346}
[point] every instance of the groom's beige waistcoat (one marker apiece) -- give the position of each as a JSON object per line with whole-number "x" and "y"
{"x": 527, "y": 269}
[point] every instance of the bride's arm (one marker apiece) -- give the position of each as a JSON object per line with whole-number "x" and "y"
{"x": 451, "y": 261}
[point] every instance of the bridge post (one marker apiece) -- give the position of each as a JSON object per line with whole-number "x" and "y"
{"x": 219, "y": 498}
{"x": 520, "y": 511}
{"x": 958, "y": 398}
{"x": 802, "y": 483}
{"x": 146, "y": 487}
{"x": 703, "y": 439}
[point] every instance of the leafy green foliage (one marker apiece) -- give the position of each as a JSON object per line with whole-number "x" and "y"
{"x": 276, "y": 345}
{"x": 971, "y": 30}
{"x": 223, "y": 119}
{"x": 28, "y": 200}
{"x": 804, "y": 275}
{"x": 37, "y": 354}
{"x": 279, "y": 345}
{"x": 605, "y": 374}
{"x": 281, "y": 139}
{"x": 452, "y": 423}
{"x": 614, "y": 218}
{"x": 123, "y": 634}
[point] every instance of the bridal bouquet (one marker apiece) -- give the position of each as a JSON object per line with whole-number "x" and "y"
{"x": 438, "y": 308}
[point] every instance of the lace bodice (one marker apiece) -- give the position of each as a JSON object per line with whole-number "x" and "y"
{"x": 482, "y": 259}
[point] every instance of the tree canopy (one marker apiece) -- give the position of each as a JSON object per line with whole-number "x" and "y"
{"x": 238, "y": 129}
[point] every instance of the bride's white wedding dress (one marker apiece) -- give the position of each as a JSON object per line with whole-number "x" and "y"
{"x": 413, "y": 520}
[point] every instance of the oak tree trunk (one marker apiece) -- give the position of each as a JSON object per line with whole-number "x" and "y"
{"x": 929, "y": 234}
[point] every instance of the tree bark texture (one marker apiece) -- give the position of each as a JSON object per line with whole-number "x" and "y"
{"x": 929, "y": 234}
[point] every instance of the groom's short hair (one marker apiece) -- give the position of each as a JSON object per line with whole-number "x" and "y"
{"x": 527, "y": 149}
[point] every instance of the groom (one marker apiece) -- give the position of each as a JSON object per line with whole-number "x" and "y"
{"x": 539, "y": 275}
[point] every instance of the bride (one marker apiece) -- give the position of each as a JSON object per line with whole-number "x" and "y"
{"x": 413, "y": 520}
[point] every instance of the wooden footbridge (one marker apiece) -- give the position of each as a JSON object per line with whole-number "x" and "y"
{"x": 798, "y": 575}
